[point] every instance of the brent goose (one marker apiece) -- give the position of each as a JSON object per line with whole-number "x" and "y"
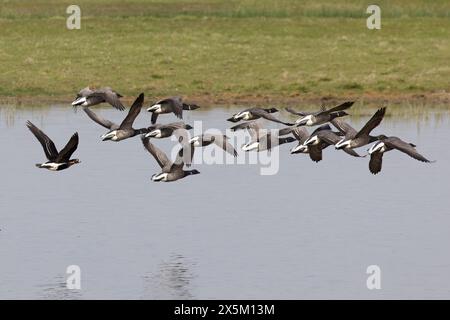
{"x": 353, "y": 139}
{"x": 262, "y": 139}
{"x": 125, "y": 130}
{"x": 206, "y": 139}
{"x": 171, "y": 171}
{"x": 170, "y": 105}
{"x": 256, "y": 113}
{"x": 322, "y": 138}
{"x": 56, "y": 160}
{"x": 386, "y": 144}
{"x": 322, "y": 116}
{"x": 160, "y": 131}
{"x": 314, "y": 150}
{"x": 90, "y": 97}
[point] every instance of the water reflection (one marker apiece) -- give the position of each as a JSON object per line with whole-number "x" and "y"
{"x": 173, "y": 280}
{"x": 56, "y": 289}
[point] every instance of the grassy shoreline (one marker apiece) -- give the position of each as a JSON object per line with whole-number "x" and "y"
{"x": 234, "y": 52}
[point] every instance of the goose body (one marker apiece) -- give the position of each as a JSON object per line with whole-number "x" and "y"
{"x": 385, "y": 144}
{"x": 160, "y": 131}
{"x": 353, "y": 139}
{"x": 262, "y": 139}
{"x": 90, "y": 97}
{"x": 171, "y": 171}
{"x": 125, "y": 130}
{"x": 173, "y": 105}
{"x": 321, "y": 117}
{"x": 321, "y": 139}
{"x": 256, "y": 113}
{"x": 57, "y": 161}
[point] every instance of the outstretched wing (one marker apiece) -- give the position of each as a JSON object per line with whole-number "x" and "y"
{"x": 372, "y": 123}
{"x": 376, "y": 161}
{"x": 65, "y": 154}
{"x": 397, "y": 143}
{"x": 101, "y": 121}
{"x": 353, "y": 153}
{"x": 343, "y": 127}
{"x": 159, "y": 156}
{"x": 175, "y": 104}
{"x": 109, "y": 96}
{"x": 297, "y": 113}
{"x": 341, "y": 107}
{"x": 127, "y": 123}
{"x": 264, "y": 114}
{"x": 253, "y": 128}
{"x": 47, "y": 144}
{"x": 329, "y": 137}
{"x": 185, "y": 155}
{"x": 301, "y": 134}
{"x": 315, "y": 153}
{"x": 222, "y": 142}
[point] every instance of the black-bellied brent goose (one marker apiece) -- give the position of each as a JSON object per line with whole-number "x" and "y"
{"x": 56, "y": 160}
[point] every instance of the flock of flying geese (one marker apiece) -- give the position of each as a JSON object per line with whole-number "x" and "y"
{"x": 344, "y": 138}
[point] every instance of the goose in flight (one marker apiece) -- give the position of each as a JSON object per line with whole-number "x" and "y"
{"x": 57, "y": 161}
{"x": 125, "y": 129}
{"x": 314, "y": 150}
{"x": 353, "y": 139}
{"x": 385, "y": 144}
{"x": 171, "y": 171}
{"x": 256, "y": 113}
{"x": 262, "y": 139}
{"x": 206, "y": 139}
{"x": 160, "y": 131}
{"x": 322, "y": 116}
{"x": 88, "y": 97}
{"x": 322, "y": 138}
{"x": 170, "y": 105}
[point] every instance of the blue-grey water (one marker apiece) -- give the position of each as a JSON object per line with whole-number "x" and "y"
{"x": 309, "y": 231}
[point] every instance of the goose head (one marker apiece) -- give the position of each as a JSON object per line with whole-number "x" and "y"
{"x": 79, "y": 101}
{"x": 343, "y": 143}
{"x": 312, "y": 140}
{"x": 250, "y": 146}
{"x": 154, "y": 134}
{"x": 160, "y": 177}
{"x": 303, "y": 120}
{"x": 112, "y": 135}
{"x": 301, "y": 148}
{"x": 378, "y": 146}
{"x": 154, "y": 108}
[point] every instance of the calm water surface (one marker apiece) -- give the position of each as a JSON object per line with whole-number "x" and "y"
{"x": 309, "y": 231}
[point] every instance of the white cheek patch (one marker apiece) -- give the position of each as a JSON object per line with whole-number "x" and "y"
{"x": 250, "y": 146}
{"x": 155, "y": 108}
{"x": 380, "y": 146}
{"x": 79, "y": 101}
{"x": 342, "y": 143}
{"x": 312, "y": 140}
